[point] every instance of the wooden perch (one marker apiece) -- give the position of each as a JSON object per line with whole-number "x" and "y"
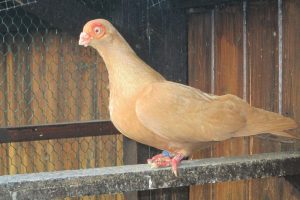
{"x": 75, "y": 183}
{"x": 56, "y": 131}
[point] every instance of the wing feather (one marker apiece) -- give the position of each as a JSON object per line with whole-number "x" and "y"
{"x": 185, "y": 114}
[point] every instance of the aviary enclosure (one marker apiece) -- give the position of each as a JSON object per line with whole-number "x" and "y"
{"x": 54, "y": 93}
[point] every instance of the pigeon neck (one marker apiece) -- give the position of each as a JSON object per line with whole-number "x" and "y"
{"x": 117, "y": 53}
{"x": 127, "y": 72}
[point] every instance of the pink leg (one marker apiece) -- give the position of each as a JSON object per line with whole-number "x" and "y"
{"x": 163, "y": 160}
{"x": 175, "y": 163}
{"x": 159, "y": 160}
{"x": 154, "y": 158}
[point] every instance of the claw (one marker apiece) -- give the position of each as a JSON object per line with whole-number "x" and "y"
{"x": 165, "y": 159}
{"x": 154, "y": 158}
{"x": 175, "y": 163}
{"x": 161, "y": 162}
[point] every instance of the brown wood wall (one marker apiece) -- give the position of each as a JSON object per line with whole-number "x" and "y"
{"x": 51, "y": 79}
{"x": 235, "y": 51}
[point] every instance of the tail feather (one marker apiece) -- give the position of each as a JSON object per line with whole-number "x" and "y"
{"x": 261, "y": 121}
{"x": 276, "y": 138}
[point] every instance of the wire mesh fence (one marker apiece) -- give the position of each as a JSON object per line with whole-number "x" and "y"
{"x": 45, "y": 77}
{"x": 10, "y": 4}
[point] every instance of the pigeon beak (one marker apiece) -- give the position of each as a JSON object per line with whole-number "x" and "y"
{"x": 84, "y": 39}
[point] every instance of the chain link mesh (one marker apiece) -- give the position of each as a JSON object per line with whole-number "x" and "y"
{"x": 9, "y": 4}
{"x": 45, "y": 77}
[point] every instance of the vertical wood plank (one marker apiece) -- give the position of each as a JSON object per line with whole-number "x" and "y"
{"x": 102, "y": 106}
{"x": 70, "y": 102}
{"x": 262, "y": 60}
{"x": 263, "y": 65}
{"x": 3, "y": 86}
{"x": 28, "y": 95}
{"x": 3, "y": 52}
{"x": 52, "y": 65}
{"x": 11, "y": 104}
{"x": 199, "y": 51}
{"x": 54, "y": 71}
{"x": 262, "y": 44}
{"x": 37, "y": 72}
{"x": 291, "y": 81}
{"x": 22, "y": 79}
{"x": 229, "y": 80}
{"x": 291, "y": 60}
{"x": 199, "y": 62}
{"x": 84, "y": 106}
{"x": 229, "y": 50}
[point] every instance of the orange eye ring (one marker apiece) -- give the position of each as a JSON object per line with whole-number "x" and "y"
{"x": 98, "y": 30}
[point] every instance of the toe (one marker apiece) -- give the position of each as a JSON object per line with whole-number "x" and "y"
{"x": 176, "y": 160}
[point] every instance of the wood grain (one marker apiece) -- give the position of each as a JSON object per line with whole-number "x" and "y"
{"x": 291, "y": 81}
{"x": 229, "y": 80}
{"x": 262, "y": 77}
{"x": 263, "y": 65}
{"x": 199, "y": 60}
{"x": 42, "y": 82}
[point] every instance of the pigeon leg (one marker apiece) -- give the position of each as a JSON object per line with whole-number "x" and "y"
{"x": 161, "y": 160}
{"x": 166, "y": 159}
{"x": 154, "y": 158}
{"x": 175, "y": 163}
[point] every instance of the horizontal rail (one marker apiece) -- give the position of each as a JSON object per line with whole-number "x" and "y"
{"x": 56, "y": 131}
{"x": 201, "y": 3}
{"x": 74, "y": 183}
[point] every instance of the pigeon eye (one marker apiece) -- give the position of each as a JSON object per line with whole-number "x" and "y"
{"x": 97, "y": 30}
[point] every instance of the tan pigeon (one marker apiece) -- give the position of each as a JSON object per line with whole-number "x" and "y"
{"x": 145, "y": 107}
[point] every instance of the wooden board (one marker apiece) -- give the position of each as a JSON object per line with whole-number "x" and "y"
{"x": 261, "y": 78}
{"x": 199, "y": 59}
{"x": 263, "y": 65}
{"x": 291, "y": 81}
{"x": 229, "y": 80}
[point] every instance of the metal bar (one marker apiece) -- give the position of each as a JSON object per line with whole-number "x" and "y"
{"x": 75, "y": 183}
{"x": 56, "y": 131}
{"x": 201, "y": 3}
{"x": 280, "y": 47}
{"x": 245, "y": 85}
{"x": 212, "y": 52}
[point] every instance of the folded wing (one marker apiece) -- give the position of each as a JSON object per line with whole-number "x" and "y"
{"x": 181, "y": 113}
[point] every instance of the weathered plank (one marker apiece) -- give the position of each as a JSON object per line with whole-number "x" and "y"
{"x": 229, "y": 80}
{"x": 199, "y": 60}
{"x": 199, "y": 51}
{"x": 56, "y": 131}
{"x": 291, "y": 81}
{"x": 141, "y": 177}
{"x": 263, "y": 82}
{"x": 291, "y": 60}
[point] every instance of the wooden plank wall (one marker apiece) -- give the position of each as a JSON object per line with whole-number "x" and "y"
{"x": 44, "y": 81}
{"x": 158, "y": 34}
{"x": 236, "y": 49}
